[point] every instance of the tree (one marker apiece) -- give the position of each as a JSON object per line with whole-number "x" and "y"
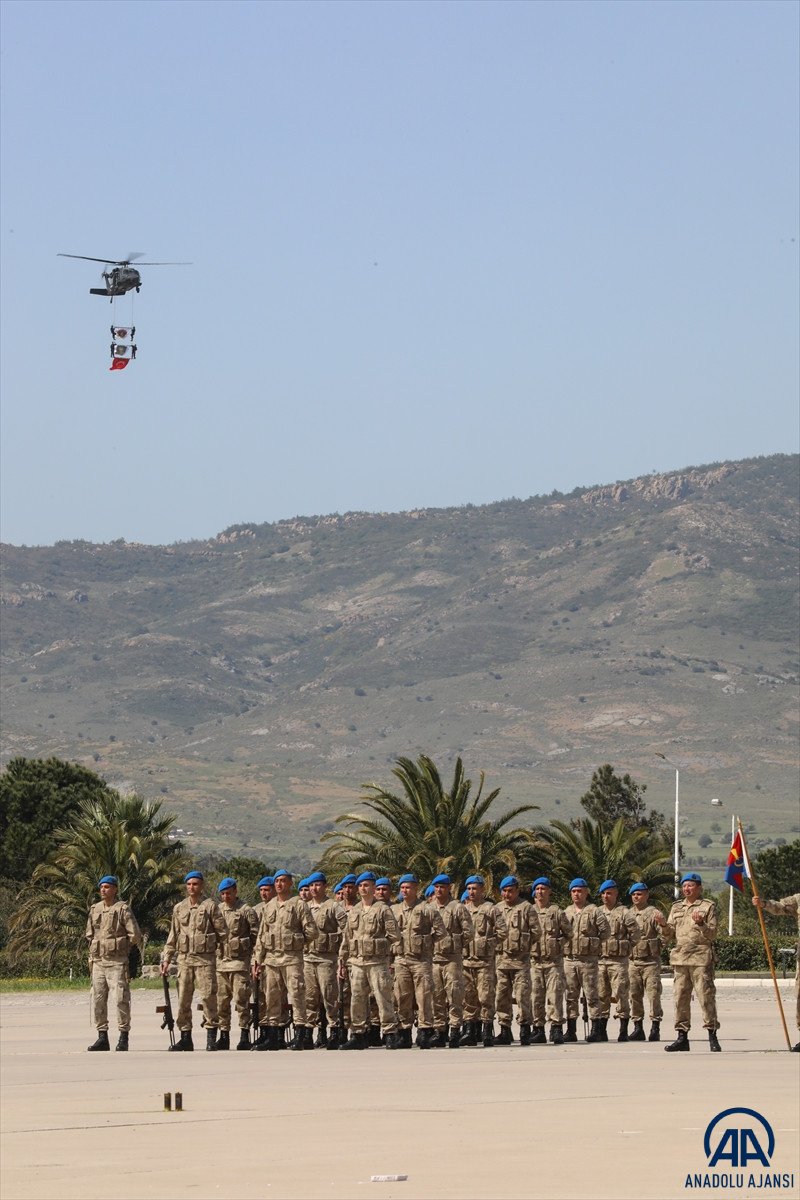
{"x": 589, "y": 850}
{"x": 37, "y": 796}
{"x": 777, "y": 874}
{"x": 112, "y": 835}
{"x": 428, "y": 829}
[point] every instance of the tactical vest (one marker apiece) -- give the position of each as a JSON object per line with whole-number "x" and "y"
{"x": 648, "y": 948}
{"x": 281, "y": 928}
{"x": 517, "y": 941}
{"x": 239, "y": 943}
{"x": 368, "y": 932}
{"x": 551, "y": 943}
{"x": 415, "y": 925}
{"x": 584, "y": 941}
{"x": 196, "y": 932}
{"x": 109, "y": 935}
{"x": 618, "y": 943}
{"x": 329, "y": 935}
{"x": 482, "y": 944}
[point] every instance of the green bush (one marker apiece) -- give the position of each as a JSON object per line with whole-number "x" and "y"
{"x": 745, "y": 954}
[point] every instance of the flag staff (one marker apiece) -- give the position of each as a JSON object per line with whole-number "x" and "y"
{"x": 759, "y": 910}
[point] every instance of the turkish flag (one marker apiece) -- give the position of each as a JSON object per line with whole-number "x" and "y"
{"x": 118, "y": 364}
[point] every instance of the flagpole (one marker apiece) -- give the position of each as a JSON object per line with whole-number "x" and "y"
{"x": 759, "y": 910}
{"x": 730, "y": 897}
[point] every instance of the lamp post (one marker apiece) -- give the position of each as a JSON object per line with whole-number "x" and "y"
{"x": 677, "y": 848}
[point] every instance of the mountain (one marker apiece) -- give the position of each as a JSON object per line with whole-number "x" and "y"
{"x": 257, "y": 678}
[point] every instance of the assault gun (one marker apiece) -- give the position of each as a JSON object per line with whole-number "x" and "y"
{"x": 585, "y": 1015}
{"x": 166, "y": 1009}
{"x": 255, "y": 1005}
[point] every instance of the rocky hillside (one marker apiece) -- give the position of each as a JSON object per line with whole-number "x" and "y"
{"x": 256, "y": 679}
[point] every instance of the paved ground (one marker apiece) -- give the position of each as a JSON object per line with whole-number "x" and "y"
{"x": 587, "y": 1122}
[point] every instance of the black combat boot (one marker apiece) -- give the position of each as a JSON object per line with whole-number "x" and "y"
{"x": 122, "y": 1042}
{"x": 262, "y": 1041}
{"x": 595, "y": 1034}
{"x": 356, "y": 1041}
{"x": 426, "y": 1039}
{"x": 796, "y": 1048}
{"x": 211, "y": 1039}
{"x": 405, "y": 1039}
{"x": 572, "y": 1030}
{"x": 244, "y": 1039}
{"x": 102, "y": 1041}
{"x": 393, "y": 1040}
{"x": 524, "y": 1034}
{"x": 538, "y": 1036}
{"x": 556, "y": 1035}
{"x": 224, "y": 1040}
{"x": 453, "y": 1038}
{"x": 280, "y": 1038}
{"x": 655, "y": 1032}
{"x": 439, "y": 1039}
{"x": 338, "y": 1037}
{"x": 713, "y": 1043}
{"x": 487, "y": 1033}
{"x": 308, "y": 1037}
{"x": 638, "y": 1032}
{"x": 623, "y": 1029}
{"x": 603, "y": 1030}
{"x": 322, "y": 1038}
{"x": 298, "y": 1042}
{"x": 681, "y": 1042}
{"x": 505, "y": 1037}
{"x": 470, "y": 1032}
{"x": 374, "y": 1036}
{"x": 185, "y": 1042}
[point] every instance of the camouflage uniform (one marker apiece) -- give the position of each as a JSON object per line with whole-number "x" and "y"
{"x": 419, "y": 926}
{"x": 615, "y": 950}
{"x": 448, "y": 967}
{"x": 547, "y": 965}
{"x": 112, "y": 932}
{"x": 320, "y": 962}
{"x": 233, "y": 963}
{"x": 513, "y": 961}
{"x": 692, "y": 961}
{"x": 194, "y": 934}
{"x": 286, "y": 930}
{"x": 789, "y": 906}
{"x": 645, "y": 966}
{"x": 588, "y": 926}
{"x": 480, "y": 976}
{"x": 369, "y": 935}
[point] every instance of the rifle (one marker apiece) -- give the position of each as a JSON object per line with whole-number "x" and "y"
{"x": 585, "y": 1015}
{"x": 342, "y": 1025}
{"x": 255, "y": 1005}
{"x": 166, "y": 1009}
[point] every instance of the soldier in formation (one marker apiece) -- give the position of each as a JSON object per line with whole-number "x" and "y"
{"x": 615, "y": 951}
{"x": 547, "y": 964}
{"x": 321, "y": 965}
{"x": 692, "y": 926}
{"x": 370, "y": 934}
{"x": 286, "y": 930}
{"x": 588, "y": 928}
{"x": 196, "y": 930}
{"x": 112, "y": 933}
{"x": 645, "y": 964}
{"x": 448, "y": 966}
{"x": 234, "y": 958}
{"x": 420, "y": 928}
{"x": 480, "y": 975}
{"x": 520, "y": 927}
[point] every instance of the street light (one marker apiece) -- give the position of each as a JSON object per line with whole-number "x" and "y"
{"x": 677, "y": 848}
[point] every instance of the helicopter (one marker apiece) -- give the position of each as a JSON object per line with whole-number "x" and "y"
{"x": 121, "y": 277}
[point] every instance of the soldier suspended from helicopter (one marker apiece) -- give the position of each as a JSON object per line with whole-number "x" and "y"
{"x": 123, "y": 347}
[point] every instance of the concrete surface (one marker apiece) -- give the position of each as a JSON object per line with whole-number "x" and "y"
{"x": 517, "y": 1123}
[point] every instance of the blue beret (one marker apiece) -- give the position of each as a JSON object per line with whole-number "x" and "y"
{"x": 266, "y": 881}
{"x": 428, "y": 891}
{"x": 226, "y": 883}
{"x": 509, "y": 881}
{"x": 108, "y": 879}
{"x": 317, "y": 877}
{"x": 475, "y": 879}
{"x": 542, "y": 881}
{"x": 606, "y": 885}
{"x": 338, "y": 889}
{"x": 283, "y": 871}
{"x": 443, "y": 880}
{"x": 637, "y": 887}
{"x": 350, "y": 879}
{"x": 302, "y": 883}
{"x": 366, "y": 877}
{"x": 578, "y": 883}
{"x": 691, "y": 877}
{"x": 384, "y": 881}
{"x": 192, "y": 875}
{"x": 409, "y": 877}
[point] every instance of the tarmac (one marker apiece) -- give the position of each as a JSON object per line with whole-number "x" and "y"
{"x": 598, "y": 1122}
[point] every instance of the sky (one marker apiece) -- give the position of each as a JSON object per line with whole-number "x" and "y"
{"x": 442, "y": 253}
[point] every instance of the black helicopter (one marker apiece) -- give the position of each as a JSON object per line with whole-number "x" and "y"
{"x": 122, "y": 277}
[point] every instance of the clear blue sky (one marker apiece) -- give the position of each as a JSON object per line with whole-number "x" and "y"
{"x": 443, "y": 252}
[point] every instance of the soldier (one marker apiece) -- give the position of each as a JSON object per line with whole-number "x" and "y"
{"x": 266, "y": 890}
{"x": 349, "y": 897}
{"x": 615, "y": 951}
{"x": 588, "y": 926}
{"x": 480, "y": 976}
{"x": 320, "y": 964}
{"x": 112, "y": 932}
{"x": 547, "y": 965}
{"x": 286, "y": 930}
{"x": 196, "y": 929}
{"x": 448, "y": 964}
{"x": 513, "y": 963}
{"x": 419, "y": 927}
{"x": 789, "y": 906}
{"x": 369, "y": 935}
{"x": 304, "y": 890}
{"x": 645, "y": 965}
{"x": 234, "y": 964}
{"x": 383, "y": 889}
{"x": 692, "y": 924}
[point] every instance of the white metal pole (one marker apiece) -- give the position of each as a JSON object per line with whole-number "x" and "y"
{"x": 677, "y": 834}
{"x": 730, "y": 898}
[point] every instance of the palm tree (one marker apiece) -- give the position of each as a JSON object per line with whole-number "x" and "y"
{"x": 588, "y": 850}
{"x": 428, "y": 829}
{"x": 112, "y": 835}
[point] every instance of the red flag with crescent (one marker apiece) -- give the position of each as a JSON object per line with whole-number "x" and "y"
{"x": 118, "y": 364}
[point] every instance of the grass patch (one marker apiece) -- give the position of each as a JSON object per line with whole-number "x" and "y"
{"x": 59, "y": 984}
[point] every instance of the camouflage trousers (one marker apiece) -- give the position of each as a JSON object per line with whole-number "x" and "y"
{"x": 106, "y": 976}
{"x": 413, "y": 988}
{"x": 612, "y": 984}
{"x": 513, "y": 983}
{"x": 479, "y": 988}
{"x": 322, "y": 990}
{"x": 580, "y": 974}
{"x": 233, "y": 987}
{"x": 697, "y": 978}
{"x": 548, "y": 983}
{"x": 374, "y": 978}
{"x": 645, "y": 980}
{"x": 448, "y": 993}
{"x": 283, "y": 979}
{"x": 262, "y": 1004}
{"x": 202, "y": 978}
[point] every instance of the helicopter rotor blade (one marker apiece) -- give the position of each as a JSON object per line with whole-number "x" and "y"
{"x": 133, "y": 256}
{"x": 111, "y": 262}
{"x": 166, "y": 264}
